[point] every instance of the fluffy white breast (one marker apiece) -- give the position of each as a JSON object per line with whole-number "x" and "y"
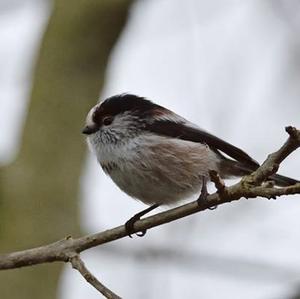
{"x": 156, "y": 169}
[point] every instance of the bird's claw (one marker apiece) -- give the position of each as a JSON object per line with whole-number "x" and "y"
{"x": 129, "y": 227}
{"x": 213, "y": 207}
{"x": 202, "y": 198}
{"x": 203, "y": 195}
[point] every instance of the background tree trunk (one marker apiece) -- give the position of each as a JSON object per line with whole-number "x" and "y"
{"x": 39, "y": 191}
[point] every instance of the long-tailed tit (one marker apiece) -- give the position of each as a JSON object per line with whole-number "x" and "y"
{"x": 157, "y": 156}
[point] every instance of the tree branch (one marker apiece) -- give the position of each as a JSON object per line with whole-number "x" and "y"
{"x": 79, "y": 265}
{"x": 271, "y": 164}
{"x": 249, "y": 187}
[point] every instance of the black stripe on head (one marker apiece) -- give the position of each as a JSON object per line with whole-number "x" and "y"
{"x": 119, "y": 104}
{"x": 127, "y": 102}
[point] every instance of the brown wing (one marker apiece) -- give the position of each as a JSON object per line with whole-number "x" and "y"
{"x": 183, "y": 131}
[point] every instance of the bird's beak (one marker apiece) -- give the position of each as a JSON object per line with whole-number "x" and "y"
{"x": 87, "y": 130}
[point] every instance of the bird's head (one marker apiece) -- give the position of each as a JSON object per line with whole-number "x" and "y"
{"x": 121, "y": 117}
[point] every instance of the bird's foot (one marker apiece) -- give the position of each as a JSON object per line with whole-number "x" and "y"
{"x": 129, "y": 225}
{"x": 204, "y": 193}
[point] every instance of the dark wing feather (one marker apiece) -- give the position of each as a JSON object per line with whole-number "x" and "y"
{"x": 185, "y": 132}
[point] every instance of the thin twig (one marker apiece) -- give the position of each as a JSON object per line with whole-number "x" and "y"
{"x": 271, "y": 164}
{"x": 219, "y": 183}
{"x": 78, "y": 264}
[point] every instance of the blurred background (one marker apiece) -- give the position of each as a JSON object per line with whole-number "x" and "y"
{"x": 232, "y": 67}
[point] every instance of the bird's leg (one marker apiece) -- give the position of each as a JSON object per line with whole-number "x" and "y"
{"x": 129, "y": 225}
{"x": 204, "y": 193}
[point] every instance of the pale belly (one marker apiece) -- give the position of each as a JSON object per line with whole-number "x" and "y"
{"x": 158, "y": 174}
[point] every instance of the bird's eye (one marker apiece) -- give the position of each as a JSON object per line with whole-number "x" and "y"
{"x": 107, "y": 120}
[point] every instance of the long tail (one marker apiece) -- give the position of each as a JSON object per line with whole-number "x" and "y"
{"x": 283, "y": 181}
{"x": 230, "y": 168}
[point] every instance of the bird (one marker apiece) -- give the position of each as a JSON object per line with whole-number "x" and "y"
{"x": 158, "y": 157}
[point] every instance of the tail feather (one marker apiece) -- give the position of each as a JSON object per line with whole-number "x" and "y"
{"x": 230, "y": 168}
{"x": 283, "y": 181}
